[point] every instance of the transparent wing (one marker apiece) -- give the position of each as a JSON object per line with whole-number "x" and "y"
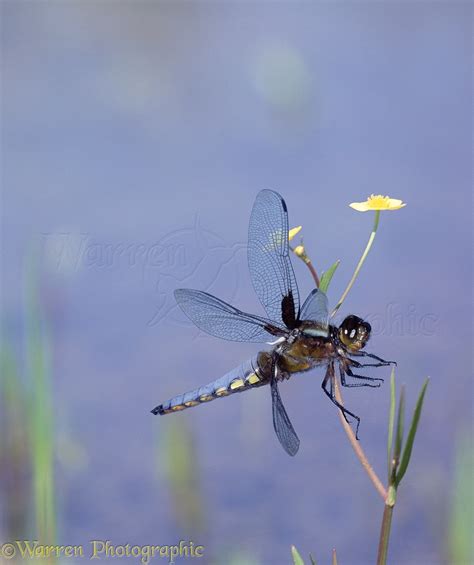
{"x": 270, "y": 267}
{"x": 281, "y": 422}
{"x": 315, "y": 308}
{"x": 220, "y": 319}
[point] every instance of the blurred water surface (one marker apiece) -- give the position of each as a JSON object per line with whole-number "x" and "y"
{"x": 135, "y": 138}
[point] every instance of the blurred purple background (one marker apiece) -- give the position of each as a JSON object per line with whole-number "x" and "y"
{"x": 135, "y": 138}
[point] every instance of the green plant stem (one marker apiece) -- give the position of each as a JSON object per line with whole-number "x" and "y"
{"x": 385, "y": 532}
{"x": 359, "y": 264}
{"x": 361, "y": 456}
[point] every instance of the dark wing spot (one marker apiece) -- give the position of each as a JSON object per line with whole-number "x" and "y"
{"x": 288, "y": 311}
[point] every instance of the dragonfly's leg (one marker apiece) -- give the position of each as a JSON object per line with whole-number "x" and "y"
{"x": 372, "y": 356}
{"x": 346, "y": 371}
{"x": 329, "y": 378}
{"x": 359, "y": 365}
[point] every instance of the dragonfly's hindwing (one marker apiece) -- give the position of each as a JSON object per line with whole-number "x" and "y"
{"x": 251, "y": 374}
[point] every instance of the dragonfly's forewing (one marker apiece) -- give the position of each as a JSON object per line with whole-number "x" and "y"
{"x": 270, "y": 267}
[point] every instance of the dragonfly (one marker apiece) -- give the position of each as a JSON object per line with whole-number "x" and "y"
{"x": 301, "y": 336}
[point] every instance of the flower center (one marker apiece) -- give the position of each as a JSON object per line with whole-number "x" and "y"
{"x": 379, "y": 201}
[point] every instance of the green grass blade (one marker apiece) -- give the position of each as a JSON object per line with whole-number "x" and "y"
{"x": 405, "y": 460}
{"x": 391, "y": 421}
{"x": 460, "y": 543}
{"x": 178, "y": 462}
{"x": 14, "y": 447}
{"x": 398, "y": 434}
{"x": 311, "y": 558}
{"x": 40, "y": 413}
{"x": 297, "y": 559}
{"x": 327, "y": 276}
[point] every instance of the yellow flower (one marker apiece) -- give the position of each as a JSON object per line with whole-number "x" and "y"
{"x": 293, "y": 232}
{"x": 378, "y": 202}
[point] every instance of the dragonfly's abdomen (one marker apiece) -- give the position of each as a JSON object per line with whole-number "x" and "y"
{"x": 251, "y": 374}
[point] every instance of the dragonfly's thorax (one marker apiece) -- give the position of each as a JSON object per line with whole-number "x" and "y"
{"x": 308, "y": 346}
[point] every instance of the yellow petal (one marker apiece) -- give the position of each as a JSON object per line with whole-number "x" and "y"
{"x": 293, "y": 232}
{"x": 395, "y": 204}
{"x": 360, "y": 206}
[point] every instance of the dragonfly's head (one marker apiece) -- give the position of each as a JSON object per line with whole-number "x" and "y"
{"x": 354, "y": 333}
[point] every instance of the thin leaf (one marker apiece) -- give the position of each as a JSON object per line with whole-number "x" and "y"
{"x": 391, "y": 421}
{"x": 297, "y": 559}
{"x": 399, "y": 434}
{"x": 40, "y": 412}
{"x": 327, "y": 276}
{"x": 179, "y": 470}
{"x": 405, "y": 460}
{"x": 461, "y": 549}
{"x": 313, "y": 562}
{"x": 334, "y": 557}
{"x": 15, "y": 448}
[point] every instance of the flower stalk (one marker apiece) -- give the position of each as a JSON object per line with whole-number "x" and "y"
{"x": 385, "y": 534}
{"x": 359, "y": 264}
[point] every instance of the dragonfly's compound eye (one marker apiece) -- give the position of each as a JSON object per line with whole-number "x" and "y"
{"x": 354, "y": 333}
